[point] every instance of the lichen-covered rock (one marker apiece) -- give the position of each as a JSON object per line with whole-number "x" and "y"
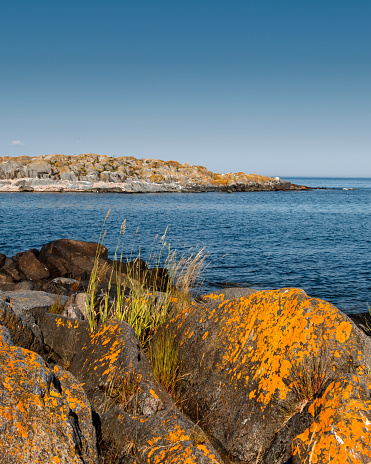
{"x": 139, "y": 420}
{"x": 253, "y": 366}
{"x": 44, "y": 418}
{"x": 341, "y": 429}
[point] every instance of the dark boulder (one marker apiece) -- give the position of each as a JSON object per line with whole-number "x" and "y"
{"x": 31, "y": 267}
{"x": 6, "y": 281}
{"x": 57, "y": 266}
{"x": 10, "y": 267}
{"x": 21, "y": 325}
{"x": 69, "y": 249}
{"x": 72, "y": 258}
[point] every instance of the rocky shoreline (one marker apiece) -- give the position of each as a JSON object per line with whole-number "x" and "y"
{"x": 265, "y": 377}
{"x": 103, "y": 174}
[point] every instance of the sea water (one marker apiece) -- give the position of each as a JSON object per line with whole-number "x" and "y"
{"x": 317, "y": 240}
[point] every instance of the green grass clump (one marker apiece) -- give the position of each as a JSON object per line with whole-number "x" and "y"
{"x": 164, "y": 356}
{"x": 137, "y": 300}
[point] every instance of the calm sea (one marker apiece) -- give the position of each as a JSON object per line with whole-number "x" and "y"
{"x": 318, "y": 240}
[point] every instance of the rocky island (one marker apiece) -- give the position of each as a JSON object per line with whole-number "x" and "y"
{"x": 101, "y": 173}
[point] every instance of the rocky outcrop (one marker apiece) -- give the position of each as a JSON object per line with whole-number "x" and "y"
{"x": 266, "y": 377}
{"x": 64, "y": 267}
{"x": 58, "y": 259}
{"x": 100, "y": 173}
{"x": 274, "y": 375}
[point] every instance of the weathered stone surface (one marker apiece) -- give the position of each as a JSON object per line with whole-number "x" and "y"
{"x": 29, "y": 300}
{"x": 6, "y": 281}
{"x": 44, "y": 415}
{"x": 63, "y": 285}
{"x": 9, "y": 169}
{"x": 21, "y": 325}
{"x": 248, "y": 363}
{"x": 31, "y": 267}
{"x": 71, "y": 258}
{"x": 75, "y": 306}
{"x": 10, "y": 268}
{"x": 138, "y": 418}
{"x": 341, "y": 429}
{"x": 38, "y": 168}
{"x": 24, "y": 285}
{"x": 69, "y": 249}
{"x": 57, "y": 266}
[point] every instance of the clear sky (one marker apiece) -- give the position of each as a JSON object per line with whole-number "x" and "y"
{"x": 274, "y": 87}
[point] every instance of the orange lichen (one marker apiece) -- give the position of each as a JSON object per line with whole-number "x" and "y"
{"x": 343, "y": 331}
{"x": 341, "y": 429}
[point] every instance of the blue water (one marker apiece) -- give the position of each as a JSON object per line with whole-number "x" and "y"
{"x": 318, "y": 240}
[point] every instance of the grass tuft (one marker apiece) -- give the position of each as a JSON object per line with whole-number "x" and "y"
{"x": 146, "y": 294}
{"x": 309, "y": 377}
{"x": 163, "y": 354}
{"x": 122, "y": 389}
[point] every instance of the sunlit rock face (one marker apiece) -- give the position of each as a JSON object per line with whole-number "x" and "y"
{"x": 45, "y": 415}
{"x": 276, "y": 375}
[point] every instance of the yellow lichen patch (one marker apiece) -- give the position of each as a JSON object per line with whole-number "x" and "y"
{"x": 343, "y": 331}
{"x": 341, "y": 431}
{"x": 283, "y": 329}
{"x": 213, "y": 296}
{"x": 21, "y": 430}
{"x": 176, "y": 446}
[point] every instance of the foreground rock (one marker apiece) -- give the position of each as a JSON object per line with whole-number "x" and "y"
{"x": 138, "y": 418}
{"x": 277, "y": 376}
{"x": 267, "y": 377}
{"x": 100, "y": 173}
{"x": 45, "y": 416}
{"x": 135, "y": 419}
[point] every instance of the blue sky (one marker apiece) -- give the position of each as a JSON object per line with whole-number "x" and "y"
{"x": 280, "y": 88}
